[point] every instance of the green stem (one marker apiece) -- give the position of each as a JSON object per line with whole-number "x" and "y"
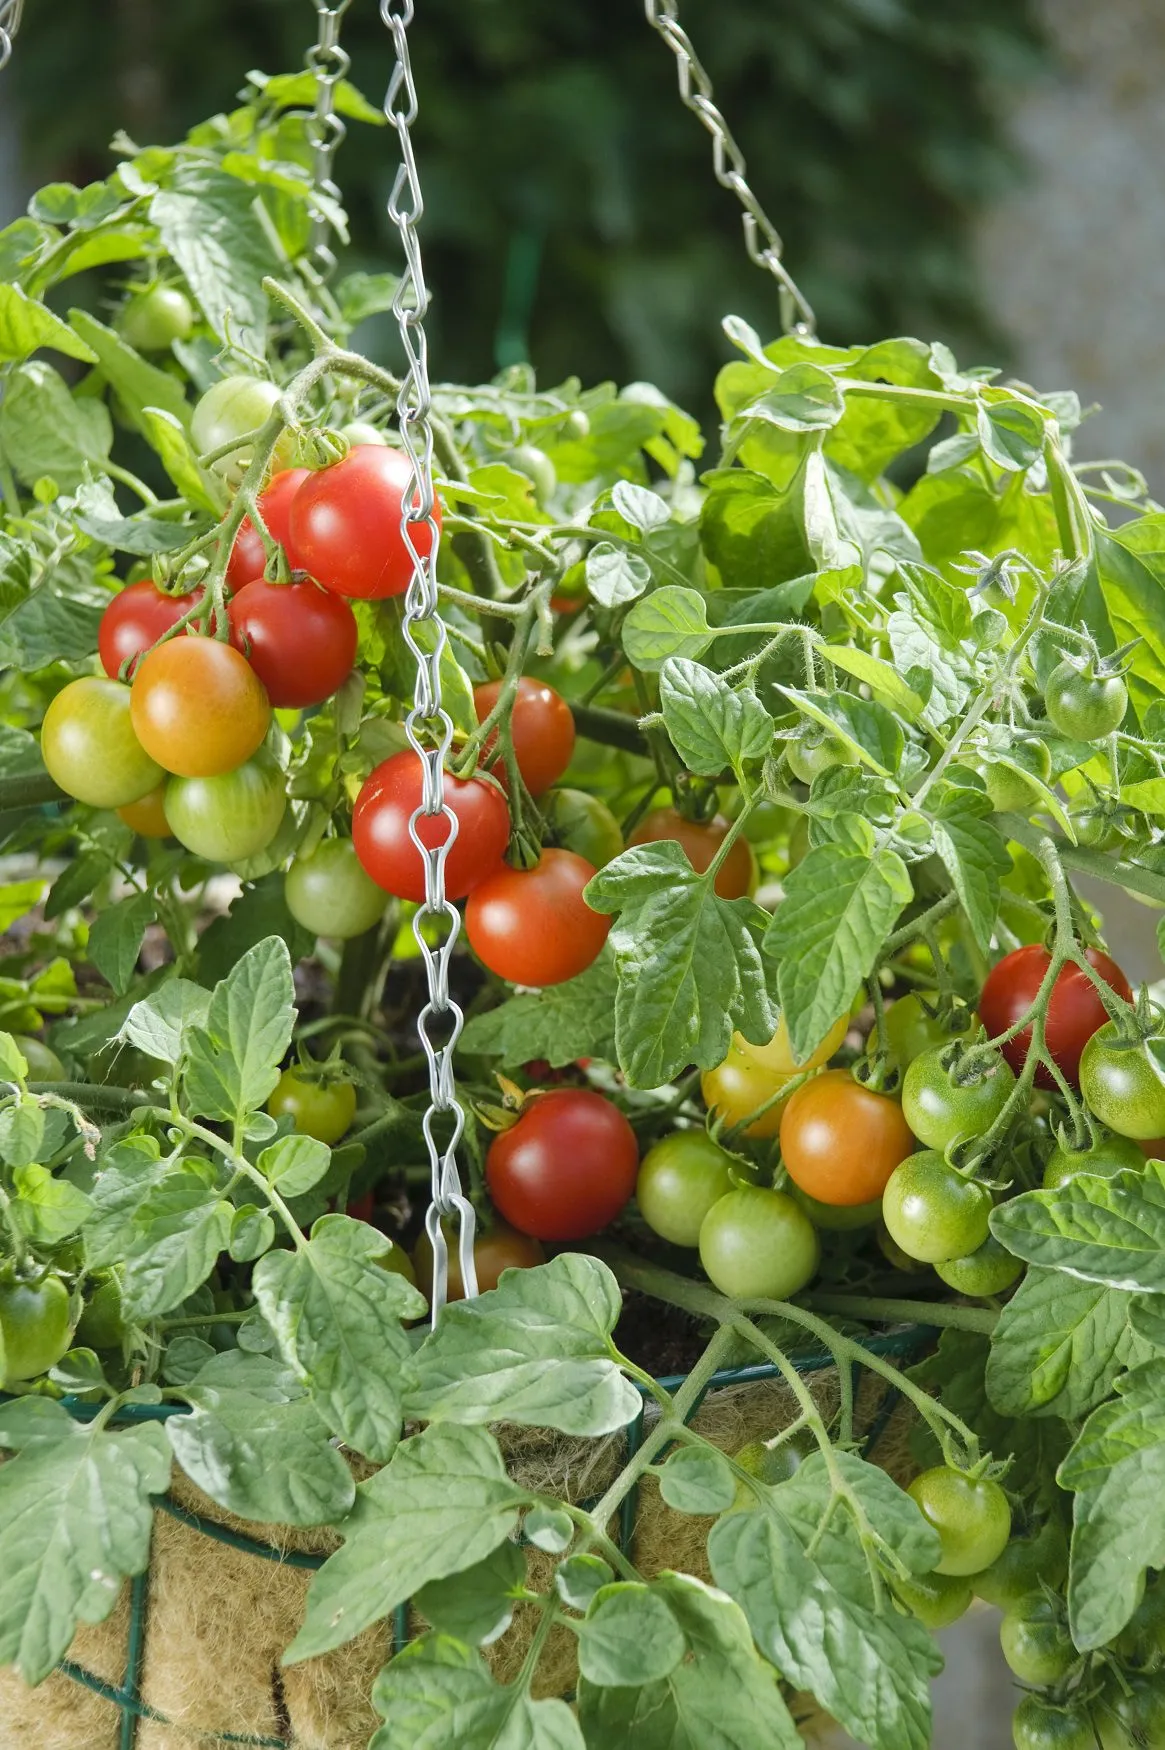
{"x": 611, "y": 728}
{"x": 27, "y": 791}
{"x": 941, "y": 1315}
{"x": 85, "y": 1094}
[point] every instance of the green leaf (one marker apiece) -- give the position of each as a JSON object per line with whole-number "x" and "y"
{"x": 672, "y": 621}
{"x": 615, "y": 574}
{"x": 639, "y": 506}
{"x": 259, "y": 911}
{"x": 711, "y": 726}
{"x": 44, "y": 431}
{"x": 179, "y": 1230}
{"x": 21, "y": 1131}
{"x": 476, "y": 1605}
{"x": 166, "y": 434}
{"x": 549, "y": 1529}
{"x": 838, "y": 909}
{"x": 721, "y": 1696}
{"x": 255, "y": 1444}
{"x": 535, "y": 1350}
{"x": 871, "y": 733}
{"x": 1100, "y": 1230}
{"x": 1132, "y": 590}
{"x": 817, "y": 1617}
{"x": 18, "y": 898}
{"x": 803, "y": 398}
{"x": 560, "y": 1024}
{"x": 884, "y": 682}
{"x": 116, "y": 936}
{"x": 946, "y": 609}
{"x": 873, "y": 431}
{"x": 975, "y": 857}
{"x": 697, "y": 1479}
{"x": 578, "y": 1578}
{"x": 688, "y": 963}
{"x": 1010, "y": 433}
{"x": 160, "y": 1023}
{"x": 957, "y": 1371}
{"x": 47, "y": 1210}
{"x": 754, "y": 532}
{"x": 1117, "y": 1471}
{"x": 75, "y": 1521}
{"x": 208, "y": 223}
{"x": 360, "y": 295}
{"x": 295, "y": 1163}
{"x": 139, "y": 385}
{"x": 301, "y": 90}
{"x": 126, "y": 1173}
{"x": 440, "y": 1505}
{"x": 252, "y": 1233}
{"x": 336, "y": 1317}
{"x": 1059, "y": 1345}
{"x": 26, "y": 325}
{"x": 914, "y": 646}
{"x": 233, "y": 1063}
{"x": 629, "y": 1636}
{"x": 438, "y": 1693}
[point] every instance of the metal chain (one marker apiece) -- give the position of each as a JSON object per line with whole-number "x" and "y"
{"x": 428, "y": 726}
{"x": 325, "y": 129}
{"x": 10, "y": 11}
{"x": 760, "y": 235}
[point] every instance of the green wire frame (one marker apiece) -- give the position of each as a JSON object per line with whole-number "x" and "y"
{"x": 128, "y": 1698}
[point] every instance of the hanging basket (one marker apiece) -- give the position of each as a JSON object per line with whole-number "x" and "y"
{"x": 191, "y": 1653}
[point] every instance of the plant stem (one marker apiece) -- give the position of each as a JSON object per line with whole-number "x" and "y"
{"x": 611, "y": 728}
{"x": 28, "y": 790}
{"x": 938, "y": 1314}
{"x": 87, "y": 1094}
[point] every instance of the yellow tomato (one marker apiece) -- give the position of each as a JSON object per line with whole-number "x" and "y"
{"x": 752, "y": 1074}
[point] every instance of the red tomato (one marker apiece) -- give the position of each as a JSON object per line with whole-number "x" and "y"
{"x": 198, "y": 708}
{"x": 566, "y": 1168}
{"x": 380, "y": 829}
{"x": 533, "y": 926}
{"x": 1075, "y": 1011}
{"x": 134, "y": 620}
{"x": 299, "y": 639}
{"x": 346, "y": 524}
{"x": 699, "y": 843}
{"x": 542, "y": 729}
{"x": 248, "y": 556}
{"x": 147, "y": 816}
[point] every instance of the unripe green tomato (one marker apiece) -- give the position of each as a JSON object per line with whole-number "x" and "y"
{"x": 836, "y": 1217}
{"x": 944, "y": 1105}
{"x": 229, "y": 817}
{"x": 43, "y": 1063}
{"x": 1035, "y": 1642}
{"x": 102, "y": 1323}
{"x": 576, "y": 426}
{"x": 1041, "y": 1725}
{"x": 1085, "y": 707}
{"x": 329, "y": 893}
{"x": 679, "y": 1181}
{"x": 88, "y": 744}
{"x": 229, "y": 409}
{"x": 911, "y": 1029}
{"x": 936, "y": 1600}
{"x": 153, "y": 320}
{"x": 359, "y": 433}
{"x": 320, "y": 1108}
{"x": 1132, "y": 1721}
{"x": 1108, "y": 1156}
{"x": 1024, "y": 1566}
{"x": 528, "y": 459}
{"x": 1009, "y": 791}
{"x": 814, "y": 751}
{"x": 582, "y": 823}
{"x": 756, "y": 1244}
{"x": 990, "y": 1269}
{"x": 933, "y": 1212}
{"x": 970, "y": 1514}
{"x": 1142, "y": 1640}
{"x": 772, "y": 1463}
{"x": 36, "y": 1325}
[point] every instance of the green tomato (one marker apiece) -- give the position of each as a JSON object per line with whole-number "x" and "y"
{"x": 1040, "y": 1725}
{"x": 936, "y": 1600}
{"x": 1085, "y": 707}
{"x": 970, "y": 1514}
{"x": 814, "y": 751}
{"x": 756, "y": 1244}
{"x": 359, "y": 434}
{"x": 933, "y": 1212}
{"x": 1035, "y": 1642}
{"x": 1024, "y": 1566}
{"x": 153, "y": 320}
{"x": 989, "y": 1269}
{"x": 679, "y": 1181}
{"x": 320, "y": 1108}
{"x": 911, "y": 1029}
{"x": 1108, "y": 1156}
{"x": 1122, "y": 1085}
{"x": 229, "y": 409}
{"x": 102, "y": 1324}
{"x": 581, "y": 823}
{"x": 945, "y": 1105}
{"x": 1142, "y": 1640}
{"x": 1009, "y": 791}
{"x": 88, "y": 744}
{"x": 536, "y": 465}
{"x": 329, "y": 893}
{"x": 43, "y": 1063}
{"x": 232, "y": 816}
{"x": 1135, "y": 1721}
{"x": 836, "y": 1217}
{"x": 36, "y": 1325}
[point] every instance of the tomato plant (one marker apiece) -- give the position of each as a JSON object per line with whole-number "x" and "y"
{"x": 541, "y": 730}
{"x": 248, "y": 559}
{"x": 90, "y": 747}
{"x": 679, "y": 1181}
{"x": 198, "y": 708}
{"x": 134, "y": 620}
{"x": 300, "y": 641}
{"x": 566, "y": 1168}
{"x": 318, "y": 1105}
{"x": 533, "y": 926}
{"x": 970, "y": 1514}
{"x": 840, "y": 1141}
{"x": 1074, "y": 1013}
{"x": 700, "y": 841}
{"x": 757, "y": 1244}
{"x": 1026, "y": 1565}
{"x": 380, "y": 829}
{"x": 328, "y": 892}
{"x": 345, "y": 524}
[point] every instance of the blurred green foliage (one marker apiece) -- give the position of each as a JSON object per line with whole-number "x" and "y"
{"x": 571, "y": 211}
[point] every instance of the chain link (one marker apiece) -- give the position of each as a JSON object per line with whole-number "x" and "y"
{"x": 325, "y": 129}
{"x": 428, "y": 725}
{"x": 760, "y": 235}
{"x": 10, "y": 11}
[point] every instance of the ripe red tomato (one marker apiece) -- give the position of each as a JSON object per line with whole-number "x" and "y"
{"x": 1075, "y": 1011}
{"x": 380, "y": 829}
{"x": 566, "y": 1168}
{"x": 700, "y": 843}
{"x": 248, "y": 557}
{"x": 840, "y": 1141}
{"x": 542, "y": 729}
{"x": 533, "y": 926}
{"x": 346, "y": 524}
{"x": 299, "y": 639}
{"x": 198, "y": 707}
{"x": 135, "y": 619}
